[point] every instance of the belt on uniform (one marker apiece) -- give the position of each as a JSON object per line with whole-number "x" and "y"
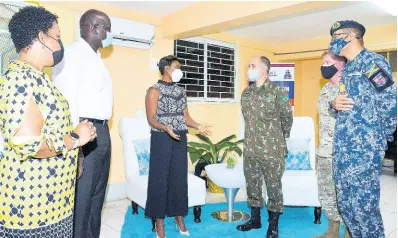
{"x": 96, "y": 121}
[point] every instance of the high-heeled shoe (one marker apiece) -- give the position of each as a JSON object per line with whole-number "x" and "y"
{"x": 184, "y": 233}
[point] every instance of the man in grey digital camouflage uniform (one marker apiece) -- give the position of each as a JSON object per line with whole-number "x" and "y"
{"x": 331, "y": 70}
{"x": 268, "y": 119}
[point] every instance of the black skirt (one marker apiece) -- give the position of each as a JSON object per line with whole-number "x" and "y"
{"x": 168, "y": 176}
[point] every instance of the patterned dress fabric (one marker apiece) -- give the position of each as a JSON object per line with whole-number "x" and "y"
{"x": 171, "y": 105}
{"x": 36, "y": 195}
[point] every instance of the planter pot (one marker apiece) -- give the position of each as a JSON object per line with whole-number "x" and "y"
{"x": 212, "y": 187}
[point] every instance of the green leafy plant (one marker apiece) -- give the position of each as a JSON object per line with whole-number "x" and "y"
{"x": 210, "y": 153}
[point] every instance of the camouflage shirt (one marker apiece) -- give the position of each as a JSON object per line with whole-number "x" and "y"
{"x": 373, "y": 119}
{"x": 268, "y": 119}
{"x": 327, "y": 119}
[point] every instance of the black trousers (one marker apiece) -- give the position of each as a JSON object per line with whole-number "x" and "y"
{"x": 91, "y": 187}
{"x": 168, "y": 175}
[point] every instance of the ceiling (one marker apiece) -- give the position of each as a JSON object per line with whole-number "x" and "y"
{"x": 281, "y": 31}
{"x": 315, "y": 25}
{"x": 157, "y": 8}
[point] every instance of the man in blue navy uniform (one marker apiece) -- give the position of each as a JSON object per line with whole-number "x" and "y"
{"x": 366, "y": 120}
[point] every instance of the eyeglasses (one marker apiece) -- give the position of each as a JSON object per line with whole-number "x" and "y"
{"x": 105, "y": 28}
{"x": 335, "y": 36}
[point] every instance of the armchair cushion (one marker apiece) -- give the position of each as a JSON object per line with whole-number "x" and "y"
{"x": 142, "y": 149}
{"x": 298, "y": 157}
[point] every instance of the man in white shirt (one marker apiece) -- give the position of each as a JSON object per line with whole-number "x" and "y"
{"x": 86, "y": 84}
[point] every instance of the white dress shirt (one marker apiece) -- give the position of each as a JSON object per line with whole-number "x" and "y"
{"x": 85, "y": 82}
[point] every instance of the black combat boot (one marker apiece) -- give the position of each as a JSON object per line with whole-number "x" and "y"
{"x": 273, "y": 224}
{"x": 254, "y": 222}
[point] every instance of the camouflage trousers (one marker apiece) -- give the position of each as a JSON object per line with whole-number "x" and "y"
{"x": 271, "y": 170}
{"x": 327, "y": 188}
{"x": 357, "y": 178}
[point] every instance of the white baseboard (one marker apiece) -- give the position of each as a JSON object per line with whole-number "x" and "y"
{"x": 116, "y": 191}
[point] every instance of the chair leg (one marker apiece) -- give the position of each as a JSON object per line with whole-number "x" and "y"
{"x": 135, "y": 207}
{"x": 197, "y": 210}
{"x": 317, "y": 214}
{"x": 153, "y": 224}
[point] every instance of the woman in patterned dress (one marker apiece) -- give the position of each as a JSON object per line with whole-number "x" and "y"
{"x": 38, "y": 168}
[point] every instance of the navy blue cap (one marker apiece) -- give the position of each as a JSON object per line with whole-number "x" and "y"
{"x": 346, "y": 24}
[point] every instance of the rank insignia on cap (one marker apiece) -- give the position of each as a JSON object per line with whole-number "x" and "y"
{"x": 379, "y": 78}
{"x": 336, "y": 25}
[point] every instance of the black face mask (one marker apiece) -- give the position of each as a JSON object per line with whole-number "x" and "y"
{"x": 328, "y": 71}
{"x": 57, "y": 55}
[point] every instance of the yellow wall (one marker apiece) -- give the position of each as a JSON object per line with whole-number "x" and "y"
{"x": 129, "y": 68}
{"x": 379, "y": 38}
{"x": 308, "y": 78}
{"x": 132, "y": 75}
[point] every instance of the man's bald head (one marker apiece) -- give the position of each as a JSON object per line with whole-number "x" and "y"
{"x": 260, "y": 61}
{"x": 94, "y": 27}
{"x": 91, "y": 20}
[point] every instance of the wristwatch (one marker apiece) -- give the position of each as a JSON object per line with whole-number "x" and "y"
{"x": 75, "y": 138}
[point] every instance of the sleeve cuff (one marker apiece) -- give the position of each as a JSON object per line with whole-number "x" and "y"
{"x": 25, "y": 146}
{"x": 58, "y": 143}
{"x": 331, "y": 109}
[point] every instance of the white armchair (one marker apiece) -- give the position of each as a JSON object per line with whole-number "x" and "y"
{"x": 300, "y": 187}
{"x": 137, "y": 128}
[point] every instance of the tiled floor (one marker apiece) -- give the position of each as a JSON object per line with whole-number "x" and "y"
{"x": 114, "y": 212}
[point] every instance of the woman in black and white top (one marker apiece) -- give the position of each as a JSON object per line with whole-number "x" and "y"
{"x": 167, "y": 114}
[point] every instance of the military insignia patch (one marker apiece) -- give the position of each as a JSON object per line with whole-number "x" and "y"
{"x": 285, "y": 98}
{"x": 379, "y": 78}
{"x": 342, "y": 88}
{"x": 336, "y": 25}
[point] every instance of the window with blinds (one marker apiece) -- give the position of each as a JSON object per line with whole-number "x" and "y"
{"x": 391, "y": 56}
{"x": 7, "y": 50}
{"x": 209, "y": 69}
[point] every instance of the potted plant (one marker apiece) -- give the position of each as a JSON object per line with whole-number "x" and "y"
{"x": 207, "y": 152}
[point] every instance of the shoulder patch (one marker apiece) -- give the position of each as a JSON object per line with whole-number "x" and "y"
{"x": 379, "y": 78}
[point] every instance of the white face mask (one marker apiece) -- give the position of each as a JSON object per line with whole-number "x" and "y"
{"x": 176, "y": 75}
{"x": 254, "y": 74}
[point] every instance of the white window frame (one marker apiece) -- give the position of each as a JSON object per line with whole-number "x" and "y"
{"x": 205, "y": 41}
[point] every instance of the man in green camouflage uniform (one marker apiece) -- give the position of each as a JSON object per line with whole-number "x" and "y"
{"x": 268, "y": 120}
{"x": 331, "y": 70}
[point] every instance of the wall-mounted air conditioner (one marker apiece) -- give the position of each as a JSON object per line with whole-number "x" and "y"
{"x": 130, "y": 33}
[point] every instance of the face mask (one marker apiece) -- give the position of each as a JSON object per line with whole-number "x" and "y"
{"x": 328, "y": 71}
{"x": 108, "y": 40}
{"x": 176, "y": 75}
{"x": 57, "y": 55}
{"x": 254, "y": 74}
{"x": 337, "y": 46}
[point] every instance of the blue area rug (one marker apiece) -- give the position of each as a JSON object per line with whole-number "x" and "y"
{"x": 294, "y": 222}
